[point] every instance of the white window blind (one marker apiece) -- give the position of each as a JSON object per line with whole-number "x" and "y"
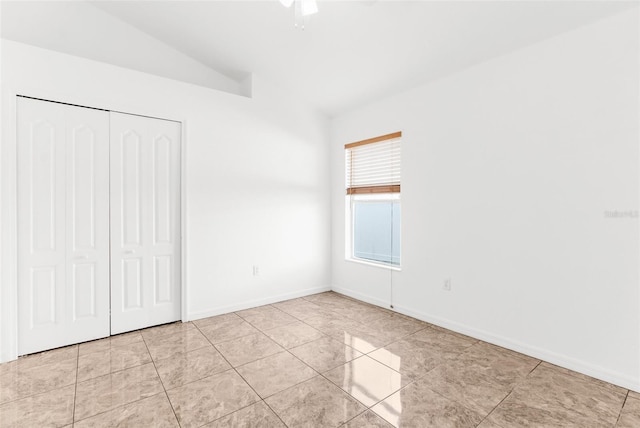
{"x": 373, "y": 166}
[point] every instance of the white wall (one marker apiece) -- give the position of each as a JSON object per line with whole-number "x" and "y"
{"x": 508, "y": 169}
{"x": 256, "y": 185}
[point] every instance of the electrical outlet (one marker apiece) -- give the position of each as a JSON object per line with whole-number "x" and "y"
{"x": 447, "y": 284}
{"x": 256, "y": 270}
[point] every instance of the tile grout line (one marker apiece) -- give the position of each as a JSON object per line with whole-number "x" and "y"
{"x": 367, "y": 408}
{"x": 401, "y": 388}
{"x": 160, "y": 379}
{"x": 244, "y": 380}
{"x": 115, "y": 408}
{"x": 118, "y": 371}
{"x": 317, "y": 373}
{"x": 498, "y": 405}
{"x": 49, "y": 389}
{"x": 534, "y": 369}
{"x": 413, "y": 381}
{"x": 258, "y": 330}
{"x": 580, "y": 376}
{"x": 184, "y": 353}
{"x": 111, "y": 371}
{"x": 626, "y": 397}
{"x": 509, "y": 394}
{"x": 324, "y": 377}
{"x": 75, "y": 388}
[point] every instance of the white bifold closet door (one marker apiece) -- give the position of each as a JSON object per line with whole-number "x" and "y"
{"x": 98, "y": 223}
{"x": 63, "y": 224}
{"x": 145, "y": 222}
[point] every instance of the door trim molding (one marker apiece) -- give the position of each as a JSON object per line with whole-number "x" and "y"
{"x": 8, "y": 228}
{"x": 9, "y": 206}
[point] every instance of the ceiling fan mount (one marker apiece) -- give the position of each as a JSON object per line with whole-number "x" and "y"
{"x": 302, "y": 8}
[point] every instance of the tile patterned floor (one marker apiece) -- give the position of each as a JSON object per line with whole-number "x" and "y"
{"x": 320, "y": 361}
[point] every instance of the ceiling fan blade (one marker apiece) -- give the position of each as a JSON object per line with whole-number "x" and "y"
{"x": 286, "y": 3}
{"x": 309, "y": 7}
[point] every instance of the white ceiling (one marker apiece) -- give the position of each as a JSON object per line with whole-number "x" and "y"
{"x": 351, "y": 52}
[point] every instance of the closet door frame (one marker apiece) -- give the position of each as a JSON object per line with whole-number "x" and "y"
{"x": 9, "y": 195}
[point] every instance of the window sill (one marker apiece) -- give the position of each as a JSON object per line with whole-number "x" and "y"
{"x": 374, "y": 264}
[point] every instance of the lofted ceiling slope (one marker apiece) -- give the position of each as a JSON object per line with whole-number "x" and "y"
{"x": 349, "y": 54}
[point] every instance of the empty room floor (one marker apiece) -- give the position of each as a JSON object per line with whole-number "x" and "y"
{"x": 320, "y": 361}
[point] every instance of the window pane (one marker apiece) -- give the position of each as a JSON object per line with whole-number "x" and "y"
{"x": 377, "y": 231}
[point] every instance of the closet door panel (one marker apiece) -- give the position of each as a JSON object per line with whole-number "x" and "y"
{"x": 41, "y": 234}
{"x": 162, "y": 190}
{"x": 43, "y": 297}
{"x": 84, "y": 283}
{"x": 162, "y": 280}
{"x": 43, "y": 156}
{"x": 130, "y": 157}
{"x": 62, "y": 237}
{"x": 83, "y": 188}
{"x": 165, "y": 248}
{"x": 145, "y": 215}
{"x": 131, "y": 284}
{"x": 88, "y": 218}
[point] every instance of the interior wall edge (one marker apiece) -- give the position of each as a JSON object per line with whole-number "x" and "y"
{"x": 555, "y": 358}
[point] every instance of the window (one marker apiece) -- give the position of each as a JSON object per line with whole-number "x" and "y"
{"x": 373, "y": 200}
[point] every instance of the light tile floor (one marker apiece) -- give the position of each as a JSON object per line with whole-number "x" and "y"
{"x": 320, "y": 361}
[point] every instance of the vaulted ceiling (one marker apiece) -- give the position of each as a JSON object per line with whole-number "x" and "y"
{"x": 350, "y": 53}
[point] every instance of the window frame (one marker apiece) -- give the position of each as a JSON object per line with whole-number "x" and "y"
{"x": 350, "y": 201}
{"x": 389, "y": 192}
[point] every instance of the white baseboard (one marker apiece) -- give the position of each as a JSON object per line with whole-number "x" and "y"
{"x": 362, "y": 297}
{"x": 570, "y": 363}
{"x": 248, "y": 304}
